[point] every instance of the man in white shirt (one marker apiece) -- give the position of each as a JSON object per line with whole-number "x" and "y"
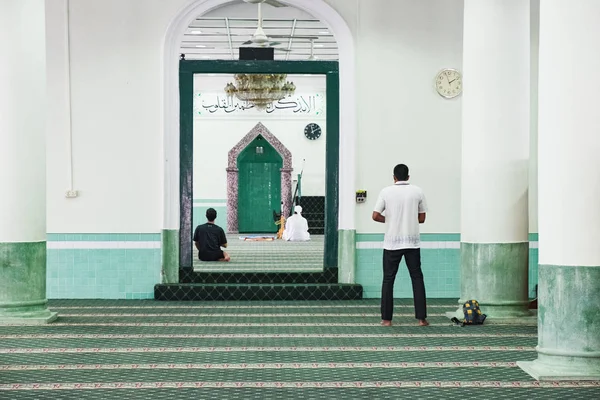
{"x": 296, "y": 227}
{"x": 405, "y": 208}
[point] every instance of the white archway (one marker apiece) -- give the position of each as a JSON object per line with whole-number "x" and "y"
{"x": 347, "y": 170}
{"x": 343, "y": 36}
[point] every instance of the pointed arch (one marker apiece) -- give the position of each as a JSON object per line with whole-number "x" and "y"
{"x": 233, "y": 173}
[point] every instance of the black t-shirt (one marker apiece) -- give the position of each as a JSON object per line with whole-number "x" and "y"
{"x": 210, "y": 237}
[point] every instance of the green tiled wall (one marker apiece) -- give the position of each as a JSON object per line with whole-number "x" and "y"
{"x": 102, "y": 273}
{"x": 441, "y": 268}
{"x": 130, "y": 273}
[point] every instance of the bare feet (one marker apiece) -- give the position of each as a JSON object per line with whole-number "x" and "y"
{"x": 385, "y": 322}
{"x": 423, "y": 322}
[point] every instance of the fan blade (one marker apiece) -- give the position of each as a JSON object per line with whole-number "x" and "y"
{"x": 275, "y": 3}
{"x": 247, "y": 42}
{"x": 193, "y": 46}
{"x": 294, "y": 37}
{"x": 274, "y": 44}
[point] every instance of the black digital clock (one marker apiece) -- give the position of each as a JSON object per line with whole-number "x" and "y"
{"x": 312, "y": 131}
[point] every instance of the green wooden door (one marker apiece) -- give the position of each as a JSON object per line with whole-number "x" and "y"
{"x": 259, "y": 187}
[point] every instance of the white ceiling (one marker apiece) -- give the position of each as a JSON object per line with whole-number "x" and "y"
{"x": 218, "y": 34}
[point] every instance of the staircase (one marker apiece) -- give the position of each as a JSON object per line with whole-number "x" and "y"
{"x": 264, "y": 286}
{"x": 313, "y": 209}
{"x": 260, "y": 286}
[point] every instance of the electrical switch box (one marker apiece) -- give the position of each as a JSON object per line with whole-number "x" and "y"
{"x": 361, "y": 196}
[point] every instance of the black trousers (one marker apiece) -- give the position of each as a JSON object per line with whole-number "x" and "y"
{"x": 391, "y": 261}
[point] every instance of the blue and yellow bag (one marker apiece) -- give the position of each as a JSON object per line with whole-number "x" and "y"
{"x": 472, "y": 313}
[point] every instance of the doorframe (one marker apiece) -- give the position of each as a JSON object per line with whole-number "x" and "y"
{"x": 233, "y": 172}
{"x": 187, "y": 69}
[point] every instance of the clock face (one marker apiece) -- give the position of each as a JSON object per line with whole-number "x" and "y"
{"x": 312, "y": 131}
{"x": 448, "y": 83}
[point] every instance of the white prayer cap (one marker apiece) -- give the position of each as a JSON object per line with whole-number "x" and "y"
{"x": 298, "y": 209}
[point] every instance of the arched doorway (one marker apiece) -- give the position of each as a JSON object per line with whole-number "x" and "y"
{"x": 233, "y": 173}
{"x": 259, "y": 187}
{"x": 347, "y": 127}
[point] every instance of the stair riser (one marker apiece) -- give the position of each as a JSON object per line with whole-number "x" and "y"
{"x": 256, "y": 293}
{"x": 329, "y": 275}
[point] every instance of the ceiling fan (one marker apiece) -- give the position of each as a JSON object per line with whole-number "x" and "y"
{"x": 312, "y": 50}
{"x": 260, "y": 38}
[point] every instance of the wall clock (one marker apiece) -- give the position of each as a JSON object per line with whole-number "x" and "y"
{"x": 312, "y": 131}
{"x": 448, "y": 83}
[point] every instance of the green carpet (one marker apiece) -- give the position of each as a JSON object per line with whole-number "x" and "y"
{"x": 111, "y": 349}
{"x": 270, "y": 256}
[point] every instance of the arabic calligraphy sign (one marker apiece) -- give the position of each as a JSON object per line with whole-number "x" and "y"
{"x": 219, "y": 104}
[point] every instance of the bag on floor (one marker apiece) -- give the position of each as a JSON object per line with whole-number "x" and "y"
{"x": 472, "y": 314}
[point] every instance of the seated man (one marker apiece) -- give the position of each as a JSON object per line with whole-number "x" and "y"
{"x": 296, "y": 227}
{"x": 209, "y": 238}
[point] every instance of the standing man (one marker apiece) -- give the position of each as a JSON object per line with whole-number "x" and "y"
{"x": 209, "y": 238}
{"x": 405, "y": 207}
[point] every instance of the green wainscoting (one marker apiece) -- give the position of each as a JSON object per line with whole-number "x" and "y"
{"x": 440, "y": 260}
{"x": 441, "y": 270}
{"x": 127, "y": 265}
{"x": 103, "y": 266}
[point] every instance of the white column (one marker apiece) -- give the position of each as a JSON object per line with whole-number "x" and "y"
{"x": 22, "y": 162}
{"x": 569, "y": 192}
{"x": 495, "y": 156}
{"x": 22, "y": 121}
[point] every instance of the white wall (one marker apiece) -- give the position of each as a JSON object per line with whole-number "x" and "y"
{"x": 401, "y": 45}
{"x": 241, "y": 10}
{"x": 215, "y": 134}
{"x": 116, "y": 78}
{"x": 116, "y": 83}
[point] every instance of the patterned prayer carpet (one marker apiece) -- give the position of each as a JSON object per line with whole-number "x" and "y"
{"x": 269, "y": 256}
{"x": 142, "y": 349}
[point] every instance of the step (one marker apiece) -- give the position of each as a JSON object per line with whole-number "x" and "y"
{"x": 258, "y": 292}
{"x": 312, "y": 204}
{"x": 314, "y": 217}
{"x": 313, "y": 209}
{"x": 312, "y": 199}
{"x": 328, "y": 275}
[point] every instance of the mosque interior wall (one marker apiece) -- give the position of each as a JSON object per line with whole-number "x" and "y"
{"x": 106, "y": 242}
{"x": 220, "y": 123}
